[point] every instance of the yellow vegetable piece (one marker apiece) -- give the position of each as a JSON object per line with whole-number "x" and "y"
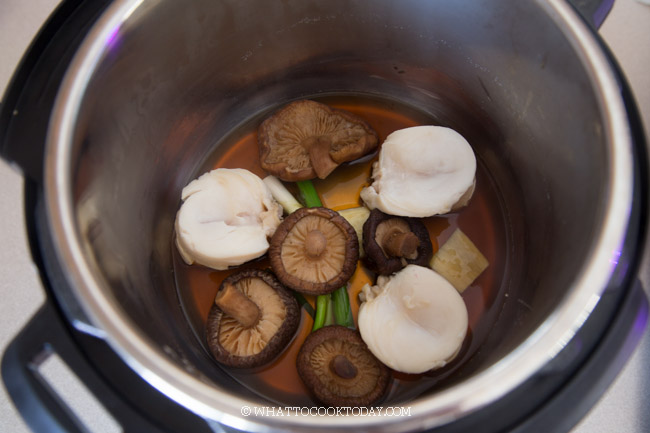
{"x": 459, "y": 261}
{"x": 357, "y": 217}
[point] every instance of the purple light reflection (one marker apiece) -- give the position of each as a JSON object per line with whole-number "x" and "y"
{"x": 112, "y": 39}
{"x": 601, "y": 13}
{"x": 615, "y": 257}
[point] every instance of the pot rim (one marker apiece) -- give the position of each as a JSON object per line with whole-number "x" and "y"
{"x": 445, "y": 406}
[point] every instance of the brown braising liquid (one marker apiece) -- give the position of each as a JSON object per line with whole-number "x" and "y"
{"x": 482, "y": 220}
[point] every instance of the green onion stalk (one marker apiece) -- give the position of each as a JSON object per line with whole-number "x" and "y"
{"x": 333, "y": 308}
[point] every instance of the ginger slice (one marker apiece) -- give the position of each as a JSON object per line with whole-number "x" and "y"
{"x": 459, "y": 261}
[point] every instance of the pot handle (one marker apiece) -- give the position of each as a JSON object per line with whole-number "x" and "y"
{"x": 30, "y": 95}
{"x": 593, "y": 11}
{"x": 38, "y": 403}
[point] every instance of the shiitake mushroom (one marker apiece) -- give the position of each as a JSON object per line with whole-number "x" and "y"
{"x": 337, "y": 367}
{"x": 314, "y": 251}
{"x": 392, "y": 242}
{"x": 306, "y": 139}
{"x": 253, "y": 319}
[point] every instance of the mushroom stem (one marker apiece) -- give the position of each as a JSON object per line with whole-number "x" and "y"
{"x": 237, "y": 305}
{"x": 343, "y": 368}
{"x": 400, "y": 244}
{"x": 315, "y": 243}
{"x": 319, "y": 155}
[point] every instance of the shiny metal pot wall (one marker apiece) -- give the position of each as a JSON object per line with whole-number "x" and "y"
{"x": 157, "y": 84}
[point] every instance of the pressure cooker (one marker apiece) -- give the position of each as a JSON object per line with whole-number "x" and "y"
{"x": 117, "y": 105}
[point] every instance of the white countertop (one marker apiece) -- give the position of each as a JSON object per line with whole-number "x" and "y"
{"x": 624, "y": 408}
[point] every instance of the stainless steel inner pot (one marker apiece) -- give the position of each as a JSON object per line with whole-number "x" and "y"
{"x": 158, "y": 84}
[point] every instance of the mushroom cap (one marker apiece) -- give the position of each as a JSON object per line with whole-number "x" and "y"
{"x": 377, "y": 258}
{"x": 359, "y": 380}
{"x": 422, "y": 171}
{"x": 226, "y": 218}
{"x": 413, "y": 320}
{"x": 307, "y": 139}
{"x": 314, "y": 251}
{"x": 236, "y": 346}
